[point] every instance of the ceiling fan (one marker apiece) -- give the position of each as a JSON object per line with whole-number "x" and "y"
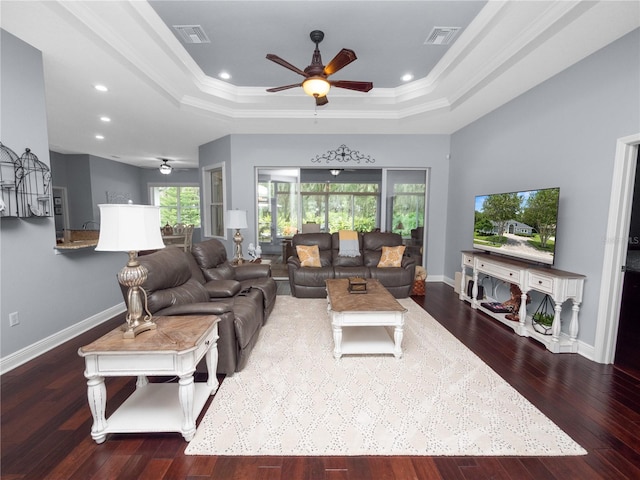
{"x": 316, "y": 83}
{"x": 165, "y": 168}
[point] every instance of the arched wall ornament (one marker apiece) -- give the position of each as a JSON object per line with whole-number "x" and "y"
{"x": 343, "y": 154}
{"x": 25, "y": 182}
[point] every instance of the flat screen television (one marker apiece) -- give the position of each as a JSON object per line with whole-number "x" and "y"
{"x": 518, "y": 224}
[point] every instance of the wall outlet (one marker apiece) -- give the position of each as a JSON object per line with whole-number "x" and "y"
{"x": 13, "y": 319}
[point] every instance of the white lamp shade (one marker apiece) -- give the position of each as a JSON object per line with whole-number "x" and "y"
{"x": 126, "y": 228}
{"x": 236, "y": 219}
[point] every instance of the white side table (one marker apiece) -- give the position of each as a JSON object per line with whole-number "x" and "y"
{"x": 173, "y": 349}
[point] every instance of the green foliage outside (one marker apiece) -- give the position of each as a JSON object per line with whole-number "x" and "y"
{"x": 408, "y": 208}
{"x": 179, "y": 205}
{"x": 347, "y": 207}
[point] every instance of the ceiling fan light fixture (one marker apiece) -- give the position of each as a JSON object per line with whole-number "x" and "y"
{"x": 165, "y": 168}
{"x": 316, "y": 86}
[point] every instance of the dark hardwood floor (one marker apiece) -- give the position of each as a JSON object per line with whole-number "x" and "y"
{"x": 46, "y": 421}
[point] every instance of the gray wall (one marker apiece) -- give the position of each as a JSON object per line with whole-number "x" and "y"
{"x": 561, "y": 134}
{"x": 245, "y": 153}
{"x": 74, "y": 173}
{"x": 50, "y": 292}
{"x": 53, "y": 292}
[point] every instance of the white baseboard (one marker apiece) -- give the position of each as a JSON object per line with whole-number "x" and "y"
{"x": 22, "y": 356}
{"x": 435, "y": 278}
{"x": 448, "y": 281}
{"x": 587, "y": 351}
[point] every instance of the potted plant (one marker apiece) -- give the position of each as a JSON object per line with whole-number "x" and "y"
{"x": 542, "y": 322}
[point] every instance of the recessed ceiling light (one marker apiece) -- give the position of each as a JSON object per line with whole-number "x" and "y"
{"x": 224, "y": 75}
{"x": 407, "y": 77}
{"x": 99, "y": 137}
{"x": 105, "y": 119}
{"x": 101, "y": 88}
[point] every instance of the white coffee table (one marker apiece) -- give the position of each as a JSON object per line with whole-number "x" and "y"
{"x": 174, "y": 348}
{"x": 361, "y": 321}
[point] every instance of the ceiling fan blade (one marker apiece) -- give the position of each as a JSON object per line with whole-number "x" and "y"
{"x": 320, "y": 101}
{"x": 285, "y": 64}
{"x": 284, "y": 87}
{"x": 351, "y": 85}
{"x": 341, "y": 60}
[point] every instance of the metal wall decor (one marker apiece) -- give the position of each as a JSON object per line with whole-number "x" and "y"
{"x": 118, "y": 197}
{"x": 25, "y": 185}
{"x": 343, "y": 154}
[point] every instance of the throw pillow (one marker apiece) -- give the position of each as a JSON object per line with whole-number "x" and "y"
{"x": 309, "y": 255}
{"x": 391, "y": 257}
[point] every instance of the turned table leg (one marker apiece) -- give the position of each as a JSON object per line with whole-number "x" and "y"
{"x": 397, "y": 336}
{"x": 97, "y": 396}
{"x": 186, "y": 390}
{"x": 211, "y": 359}
{"x": 337, "y": 341}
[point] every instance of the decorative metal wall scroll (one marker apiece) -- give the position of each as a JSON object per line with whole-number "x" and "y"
{"x": 118, "y": 197}
{"x": 343, "y": 154}
{"x": 25, "y": 185}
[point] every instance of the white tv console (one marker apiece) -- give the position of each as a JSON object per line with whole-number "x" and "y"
{"x": 559, "y": 285}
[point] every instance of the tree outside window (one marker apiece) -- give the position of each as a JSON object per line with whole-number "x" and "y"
{"x": 178, "y": 204}
{"x": 341, "y": 206}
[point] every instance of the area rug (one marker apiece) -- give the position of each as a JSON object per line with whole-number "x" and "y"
{"x": 294, "y": 398}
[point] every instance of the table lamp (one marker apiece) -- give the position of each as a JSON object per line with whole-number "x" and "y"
{"x": 131, "y": 228}
{"x": 237, "y": 219}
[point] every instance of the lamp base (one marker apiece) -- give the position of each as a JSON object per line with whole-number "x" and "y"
{"x": 130, "y": 331}
{"x": 237, "y": 239}
{"x": 138, "y": 318}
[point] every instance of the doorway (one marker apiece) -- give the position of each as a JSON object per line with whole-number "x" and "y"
{"x": 615, "y": 249}
{"x": 628, "y": 340}
{"x": 60, "y": 210}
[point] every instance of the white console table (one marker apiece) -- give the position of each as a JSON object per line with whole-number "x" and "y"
{"x": 559, "y": 285}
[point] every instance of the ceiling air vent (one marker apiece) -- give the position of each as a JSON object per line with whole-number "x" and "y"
{"x": 441, "y": 35}
{"x": 192, "y": 34}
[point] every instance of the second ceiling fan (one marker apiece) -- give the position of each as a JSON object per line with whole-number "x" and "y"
{"x": 316, "y": 82}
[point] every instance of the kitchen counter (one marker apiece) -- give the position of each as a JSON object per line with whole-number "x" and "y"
{"x": 78, "y": 240}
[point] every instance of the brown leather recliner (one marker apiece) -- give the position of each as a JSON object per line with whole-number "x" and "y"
{"x": 398, "y": 280}
{"x": 308, "y": 282}
{"x": 176, "y": 286}
{"x": 224, "y": 280}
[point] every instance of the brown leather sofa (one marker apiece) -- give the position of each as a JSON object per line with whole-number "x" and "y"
{"x": 309, "y": 282}
{"x": 203, "y": 282}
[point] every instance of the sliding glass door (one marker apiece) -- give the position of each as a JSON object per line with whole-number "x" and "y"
{"x": 405, "y": 207}
{"x": 340, "y": 206}
{"x": 277, "y": 213}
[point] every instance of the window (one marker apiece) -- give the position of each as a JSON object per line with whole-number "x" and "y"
{"x": 178, "y": 203}
{"x": 214, "y": 200}
{"x": 341, "y": 206}
{"x": 406, "y": 200}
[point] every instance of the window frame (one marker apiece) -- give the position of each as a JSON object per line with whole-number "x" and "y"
{"x": 178, "y": 185}
{"x": 207, "y": 205}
